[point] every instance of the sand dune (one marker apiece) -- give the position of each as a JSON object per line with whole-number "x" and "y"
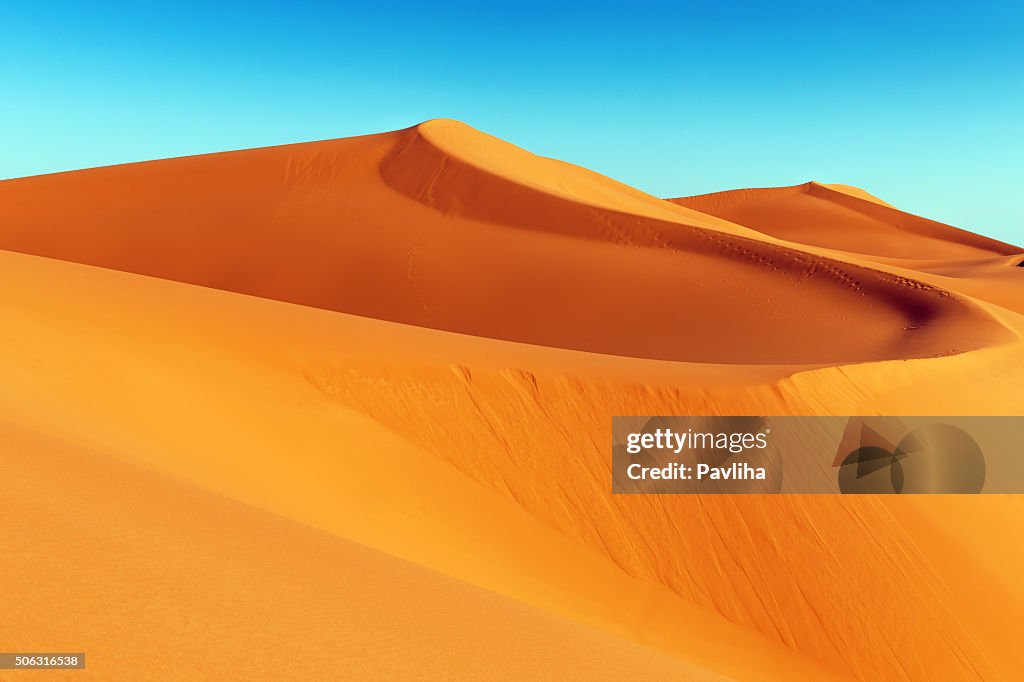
{"x": 408, "y": 473}
{"x": 844, "y": 218}
{"x": 392, "y": 226}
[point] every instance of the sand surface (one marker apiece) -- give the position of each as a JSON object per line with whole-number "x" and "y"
{"x": 342, "y": 410}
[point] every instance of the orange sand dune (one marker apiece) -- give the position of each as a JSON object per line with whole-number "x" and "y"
{"x": 393, "y": 226}
{"x": 230, "y": 472}
{"x": 996, "y": 279}
{"x": 844, "y": 218}
{"x": 847, "y": 223}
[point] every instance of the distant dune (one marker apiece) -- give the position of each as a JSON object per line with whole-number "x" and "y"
{"x": 342, "y": 410}
{"x": 845, "y": 218}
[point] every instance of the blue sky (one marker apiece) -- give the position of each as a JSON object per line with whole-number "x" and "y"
{"x": 922, "y": 104}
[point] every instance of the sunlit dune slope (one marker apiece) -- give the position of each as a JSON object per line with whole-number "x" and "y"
{"x": 844, "y": 218}
{"x": 394, "y": 226}
{"x": 157, "y": 580}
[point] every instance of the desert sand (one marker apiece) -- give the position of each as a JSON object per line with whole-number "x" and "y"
{"x": 341, "y": 410}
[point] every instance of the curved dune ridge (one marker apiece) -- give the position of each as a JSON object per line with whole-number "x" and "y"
{"x": 374, "y": 441}
{"x": 858, "y": 192}
{"x": 392, "y": 226}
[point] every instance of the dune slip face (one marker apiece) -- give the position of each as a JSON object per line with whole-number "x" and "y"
{"x": 352, "y": 400}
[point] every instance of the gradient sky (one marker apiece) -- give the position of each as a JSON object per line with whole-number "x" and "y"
{"x": 920, "y": 103}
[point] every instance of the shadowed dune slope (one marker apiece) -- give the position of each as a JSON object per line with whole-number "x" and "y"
{"x": 446, "y": 227}
{"x": 846, "y": 219}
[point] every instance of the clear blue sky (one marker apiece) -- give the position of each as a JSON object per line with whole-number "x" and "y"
{"x": 921, "y": 103}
